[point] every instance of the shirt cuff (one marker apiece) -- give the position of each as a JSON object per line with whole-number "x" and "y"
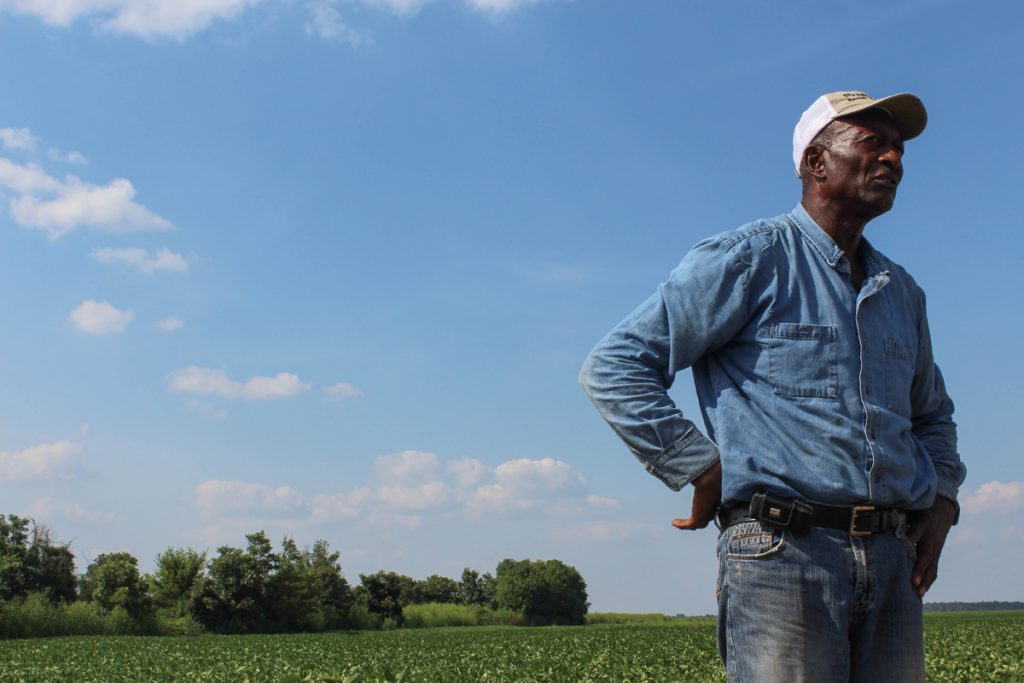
{"x": 685, "y": 460}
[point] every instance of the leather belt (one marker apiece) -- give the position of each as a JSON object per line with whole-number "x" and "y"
{"x": 857, "y": 520}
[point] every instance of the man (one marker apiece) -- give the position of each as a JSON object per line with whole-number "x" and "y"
{"x": 830, "y": 450}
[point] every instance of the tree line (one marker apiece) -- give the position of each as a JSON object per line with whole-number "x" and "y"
{"x": 257, "y": 589}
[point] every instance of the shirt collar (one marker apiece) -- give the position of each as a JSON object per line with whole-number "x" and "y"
{"x": 826, "y": 246}
{"x": 815, "y": 236}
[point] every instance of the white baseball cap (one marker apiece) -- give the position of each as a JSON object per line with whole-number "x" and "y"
{"x": 906, "y": 110}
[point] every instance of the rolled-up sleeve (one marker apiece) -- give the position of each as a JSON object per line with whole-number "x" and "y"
{"x": 627, "y": 375}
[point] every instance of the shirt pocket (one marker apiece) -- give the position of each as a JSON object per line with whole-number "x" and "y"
{"x": 803, "y": 360}
{"x": 900, "y": 361}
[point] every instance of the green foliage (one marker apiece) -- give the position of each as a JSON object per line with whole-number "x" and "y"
{"x": 112, "y": 581}
{"x": 437, "y": 588}
{"x": 175, "y": 582}
{"x": 386, "y": 594}
{"x": 36, "y": 615}
{"x": 31, "y": 562}
{"x": 545, "y": 591}
{"x": 475, "y": 589}
{"x": 627, "y": 618}
{"x": 435, "y": 614}
{"x": 260, "y": 590}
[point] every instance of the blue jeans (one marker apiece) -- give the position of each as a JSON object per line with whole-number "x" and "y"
{"x": 823, "y": 606}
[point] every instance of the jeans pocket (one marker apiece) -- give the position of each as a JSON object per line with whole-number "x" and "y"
{"x": 803, "y": 360}
{"x": 753, "y": 540}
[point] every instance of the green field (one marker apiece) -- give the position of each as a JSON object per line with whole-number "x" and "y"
{"x": 960, "y": 647}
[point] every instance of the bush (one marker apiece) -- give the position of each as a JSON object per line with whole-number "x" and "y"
{"x": 435, "y": 614}
{"x": 35, "y": 616}
{"x": 626, "y": 618}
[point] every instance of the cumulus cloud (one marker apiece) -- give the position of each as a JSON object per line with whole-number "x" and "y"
{"x": 45, "y": 462}
{"x": 170, "y": 324}
{"x": 18, "y": 138}
{"x": 56, "y": 206}
{"x": 467, "y": 471}
{"x": 208, "y": 382}
{"x": 214, "y": 498}
{"x": 180, "y": 19}
{"x": 174, "y": 19}
{"x": 46, "y": 509}
{"x": 405, "y": 488}
{"x": 342, "y": 390}
{"x": 993, "y": 496}
{"x": 326, "y": 22}
{"x": 110, "y": 207}
{"x": 142, "y": 260}
{"x": 72, "y": 157}
{"x": 530, "y": 477}
{"x": 99, "y": 317}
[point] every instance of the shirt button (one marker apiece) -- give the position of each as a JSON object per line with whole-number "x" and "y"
{"x": 867, "y": 389}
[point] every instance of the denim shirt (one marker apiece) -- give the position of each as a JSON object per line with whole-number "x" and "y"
{"x": 808, "y": 388}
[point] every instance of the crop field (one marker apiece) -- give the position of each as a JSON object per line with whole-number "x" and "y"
{"x": 960, "y": 647}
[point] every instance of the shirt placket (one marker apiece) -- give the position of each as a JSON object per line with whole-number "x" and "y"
{"x": 866, "y": 379}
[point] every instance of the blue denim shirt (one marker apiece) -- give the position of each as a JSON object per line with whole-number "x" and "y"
{"x": 808, "y": 388}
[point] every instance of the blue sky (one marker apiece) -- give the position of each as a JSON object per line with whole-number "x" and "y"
{"x": 330, "y": 268}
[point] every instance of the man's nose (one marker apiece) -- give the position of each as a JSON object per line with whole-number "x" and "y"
{"x": 893, "y": 158}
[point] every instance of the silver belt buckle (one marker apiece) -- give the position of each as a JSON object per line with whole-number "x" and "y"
{"x": 853, "y": 519}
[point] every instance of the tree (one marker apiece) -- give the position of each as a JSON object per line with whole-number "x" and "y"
{"x": 233, "y": 597}
{"x": 30, "y": 561}
{"x": 113, "y": 581}
{"x": 475, "y": 589}
{"x": 331, "y": 593}
{"x": 545, "y": 591}
{"x": 436, "y": 588}
{"x": 177, "y": 578}
{"x": 387, "y": 593}
{"x": 14, "y": 579}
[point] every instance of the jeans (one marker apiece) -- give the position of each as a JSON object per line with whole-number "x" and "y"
{"x": 823, "y": 606}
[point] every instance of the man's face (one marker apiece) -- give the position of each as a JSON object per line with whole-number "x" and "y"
{"x": 864, "y": 164}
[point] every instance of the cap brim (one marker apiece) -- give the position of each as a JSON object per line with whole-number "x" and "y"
{"x": 906, "y": 110}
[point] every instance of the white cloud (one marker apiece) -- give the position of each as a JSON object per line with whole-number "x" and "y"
{"x": 45, "y": 462}
{"x": 176, "y": 19}
{"x": 72, "y": 157}
{"x": 45, "y": 509}
{"x": 468, "y": 471}
{"x": 404, "y": 488}
{"x": 26, "y": 178}
{"x": 18, "y": 138}
{"x": 343, "y": 390}
{"x": 327, "y": 23}
{"x": 216, "y": 497}
{"x": 528, "y": 477}
{"x": 406, "y": 466}
{"x": 170, "y": 324}
{"x": 993, "y": 496}
{"x": 180, "y": 19}
{"x": 110, "y": 208}
{"x": 208, "y": 382}
{"x": 340, "y": 505}
{"x": 99, "y": 317}
{"x": 140, "y": 259}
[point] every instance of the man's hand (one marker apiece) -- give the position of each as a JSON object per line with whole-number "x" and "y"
{"x": 707, "y": 494}
{"x": 929, "y": 535}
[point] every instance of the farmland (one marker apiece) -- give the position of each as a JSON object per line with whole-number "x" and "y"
{"x": 960, "y": 647}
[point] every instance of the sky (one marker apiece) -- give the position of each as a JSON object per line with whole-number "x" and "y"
{"x": 329, "y": 268}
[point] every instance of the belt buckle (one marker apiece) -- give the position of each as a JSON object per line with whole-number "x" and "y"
{"x": 853, "y": 519}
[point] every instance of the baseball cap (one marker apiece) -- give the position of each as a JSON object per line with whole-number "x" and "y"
{"x": 906, "y": 110}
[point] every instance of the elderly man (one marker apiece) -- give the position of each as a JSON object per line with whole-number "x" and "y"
{"x": 830, "y": 450}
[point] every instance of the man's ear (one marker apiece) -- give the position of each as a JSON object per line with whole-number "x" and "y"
{"x": 814, "y": 162}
